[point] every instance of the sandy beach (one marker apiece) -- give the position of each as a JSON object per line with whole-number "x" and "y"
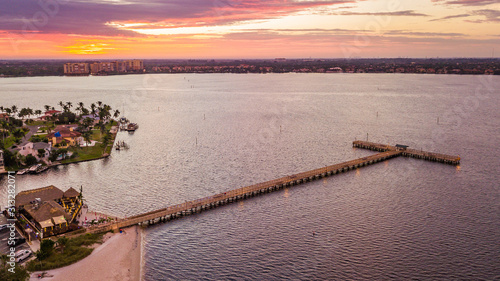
{"x": 118, "y": 258}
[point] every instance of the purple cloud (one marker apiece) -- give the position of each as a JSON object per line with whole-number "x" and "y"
{"x": 452, "y": 17}
{"x": 93, "y": 17}
{"x": 467, "y": 2}
{"x": 406, "y": 13}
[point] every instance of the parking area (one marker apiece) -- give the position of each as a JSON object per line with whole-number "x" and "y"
{"x": 4, "y": 238}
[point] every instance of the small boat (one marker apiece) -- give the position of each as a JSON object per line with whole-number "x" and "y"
{"x": 33, "y": 168}
{"x": 132, "y": 127}
{"x": 22, "y": 172}
{"x": 42, "y": 169}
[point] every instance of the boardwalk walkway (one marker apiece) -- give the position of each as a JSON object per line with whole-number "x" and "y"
{"x": 198, "y": 205}
{"x": 407, "y": 152}
{"x": 216, "y": 200}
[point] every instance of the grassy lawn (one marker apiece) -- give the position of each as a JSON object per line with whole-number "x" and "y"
{"x": 36, "y": 123}
{"x": 9, "y": 142}
{"x": 85, "y": 153}
{"x": 75, "y": 250}
{"x": 90, "y": 152}
{"x": 34, "y": 137}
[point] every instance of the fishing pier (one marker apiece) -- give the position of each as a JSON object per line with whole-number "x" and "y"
{"x": 195, "y": 206}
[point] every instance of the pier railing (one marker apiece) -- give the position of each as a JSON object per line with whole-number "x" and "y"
{"x": 212, "y": 201}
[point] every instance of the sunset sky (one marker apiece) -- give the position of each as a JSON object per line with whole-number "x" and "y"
{"x": 100, "y": 29}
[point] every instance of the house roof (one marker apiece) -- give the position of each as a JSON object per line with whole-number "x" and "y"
{"x": 71, "y": 192}
{"x": 95, "y": 116}
{"x": 65, "y": 127}
{"x": 50, "y": 112}
{"x": 64, "y": 134}
{"x": 46, "y": 211}
{"x": 40, "y": 145}
{"x": 48, "y": 193}
{"x": 47, "y": 223}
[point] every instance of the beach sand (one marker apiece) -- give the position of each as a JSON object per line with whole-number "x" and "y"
{"x": 118, "y": 258}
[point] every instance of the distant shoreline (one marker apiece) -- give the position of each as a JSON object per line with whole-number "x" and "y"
{"x": 41, "y": 68}
{"x": 177, "y": 73}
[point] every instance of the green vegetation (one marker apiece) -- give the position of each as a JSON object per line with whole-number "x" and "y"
{"x": 20, "y": 273}
{"x": 39, "y": 138}
{"x": 97, "y": 128}
{"x": 63, "y": 252}
{"x": 84, "y": 154}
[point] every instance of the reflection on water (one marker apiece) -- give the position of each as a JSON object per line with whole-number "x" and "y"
{"x": 402, "y": 219}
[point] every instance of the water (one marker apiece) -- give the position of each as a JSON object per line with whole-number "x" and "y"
{"x": 203, "y": 134}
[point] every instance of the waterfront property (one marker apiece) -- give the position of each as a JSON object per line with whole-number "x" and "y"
{"x": 65, "y": 136}
{"x": 48, "y": 210}
{"x": 35, "y": 148}
{"x": 198, "y": 205}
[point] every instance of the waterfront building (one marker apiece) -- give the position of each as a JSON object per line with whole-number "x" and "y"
{"x": 78, "y": 68}
{"x": 4, "y": 117}
{"x": 48, "y": 210}
{"x": 49, "y": 114}
{"x": 64, "y": 134}
{"x": 32, "y": 148}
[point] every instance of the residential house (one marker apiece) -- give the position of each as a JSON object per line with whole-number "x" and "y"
{"x": 62, "y": 133}
{"x": 32, "y": 148}
{"x": 4, "y": 117}
{"x": 95, "y": 117}
{"x": 48, "y": 114}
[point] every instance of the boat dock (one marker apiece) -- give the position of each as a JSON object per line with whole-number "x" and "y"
{"x": 213, "y": 201}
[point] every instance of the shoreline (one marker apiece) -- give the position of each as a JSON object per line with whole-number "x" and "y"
{"x": 119, "y": 257}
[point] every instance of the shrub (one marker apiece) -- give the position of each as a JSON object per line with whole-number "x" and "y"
{"x": 31, "y": 160}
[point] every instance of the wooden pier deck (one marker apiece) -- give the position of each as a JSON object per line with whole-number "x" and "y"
{"x": 213, "y": 201}
{"x": 408, "y": 152}
{"x": 230, "y": 196}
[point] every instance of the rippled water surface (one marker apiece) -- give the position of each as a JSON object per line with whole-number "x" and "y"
{"x": 203, "y": 134}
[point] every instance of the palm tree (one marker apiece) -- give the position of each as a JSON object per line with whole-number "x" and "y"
{"x": 47, "y": 107}
{"x": 22, "y": 113}
{"x": 1, "y": 108}
{"x": 8, "y": 110}
{"x": 38, "y": 112}
{"x": 29, "y": 111}
{"x": 14, "y": 109}
{"x": 86, "y": 123}
{"x": 92, "y": 108}
{"x": 61, "y": 104}
{"x": 81, "y": 106}
{"x": 87, "y": 135}
{"x": 4, "y": 125}
{"x": 69, "y": 104}
{"x": 99, "y": 103}
{"x": 116, "y": 114}
{"x": 102, "y": 127}
{"x": 105, "y": 142}
{"x": 50, "y": 126}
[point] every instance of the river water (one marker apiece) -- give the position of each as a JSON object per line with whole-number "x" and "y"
{"x": 204, "y": 134}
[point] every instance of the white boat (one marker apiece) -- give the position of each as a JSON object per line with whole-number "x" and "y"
{"x": 22, "y": 172}
{"x": 33, "y": 168}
